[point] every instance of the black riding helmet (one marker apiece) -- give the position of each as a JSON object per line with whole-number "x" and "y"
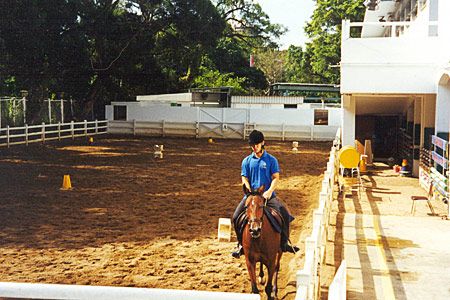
{"x": 255, "y": 137}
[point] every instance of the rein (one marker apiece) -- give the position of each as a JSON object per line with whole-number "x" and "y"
{"x": 254, "y": 193}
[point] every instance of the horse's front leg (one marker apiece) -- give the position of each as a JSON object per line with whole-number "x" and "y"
{"x": 261, "y": 274}
{"x": 270, "y": 272}
{"x": 251, "y": 267}
{"x": 277, "y": 269}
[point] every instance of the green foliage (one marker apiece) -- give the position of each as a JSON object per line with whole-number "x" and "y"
{"x": 112, "y": 50}
{"x": 249, "y": 23}
{"x": 272, "y": 63}
{"x": 323, "y": 51}
{"x": 214, "y": 78}
{"x": 230, "y": 56}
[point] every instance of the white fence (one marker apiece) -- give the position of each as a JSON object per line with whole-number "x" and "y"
{"x": 222, "y": 130}
{"x": 47, "y": 132}
{"x": 292, "y": 124}
{"x": 81, "y": 292}
{"x": 337, "y": 290}
{"x": 308, "y": 281}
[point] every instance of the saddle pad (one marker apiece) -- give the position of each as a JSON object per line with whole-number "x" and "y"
{"x": 274, "y": 217}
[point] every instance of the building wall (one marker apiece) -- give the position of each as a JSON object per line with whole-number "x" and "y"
{"x": 381, "y": 65}
{"x": 141, "y": 112}
{"x": 348, "y": 120}
{"x": 443, "y": 107}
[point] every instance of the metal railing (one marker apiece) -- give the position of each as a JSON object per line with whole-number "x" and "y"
{"x": 394, "y": 28}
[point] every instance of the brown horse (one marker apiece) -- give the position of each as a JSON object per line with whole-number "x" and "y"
{"x": 261, "y": 243}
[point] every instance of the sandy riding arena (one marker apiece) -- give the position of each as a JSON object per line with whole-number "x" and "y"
{"x": 135, "y": 220}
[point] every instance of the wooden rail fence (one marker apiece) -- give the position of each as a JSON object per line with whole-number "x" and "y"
{"x": 47, "y": 132}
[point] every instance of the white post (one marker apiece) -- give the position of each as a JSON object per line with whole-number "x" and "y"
{"x": 24, "y": 101}
{"x": 26, "y": 134}
{"x": 71, "y": 109}
{"x": 96, "y": 126}
{"x": 311, "y": 247}
{"x": 223, "y": 120}
{"x": 282, "y": 132}
{"x": 49, "y": 112}
{"x": 59, "y": 131}
{"x": 62, "y": 111}
{"x": 134, "y": 126}
{"x": 43, "y": 132}
{"x": 197, "y": 129}
{"x": 14, "y": 110}
{"x": 312, "y": 132}
{"x": 85, "y": 127}
{"x": 72, "y": 128}
{"x": 7, "y": 135}
{"x": 345, "y": 29}
{"x": 338, "y": 287}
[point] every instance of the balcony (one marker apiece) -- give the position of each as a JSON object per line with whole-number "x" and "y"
{"x": 403, "y": 57}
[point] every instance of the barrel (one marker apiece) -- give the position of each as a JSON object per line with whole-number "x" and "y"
{"x": 348, "y": 157}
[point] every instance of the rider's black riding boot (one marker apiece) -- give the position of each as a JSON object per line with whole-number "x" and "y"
{"x": 239, "y": 249}
{"x": 285, "y": 247}
{"x": 238, "y": 252}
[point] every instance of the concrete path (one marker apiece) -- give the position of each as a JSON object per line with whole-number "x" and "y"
{"x": 390, "y": 254}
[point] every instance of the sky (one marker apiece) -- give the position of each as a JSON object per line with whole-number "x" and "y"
{"x": 293, "y": 14}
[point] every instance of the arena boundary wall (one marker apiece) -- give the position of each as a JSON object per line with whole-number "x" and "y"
{"x": 221, "y": 130}
{"x": 203, "y": 122}
{"x": 308, "y": 280}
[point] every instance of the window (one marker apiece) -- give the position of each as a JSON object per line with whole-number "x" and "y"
{"x": 320, "y": 117}
{"x": 290, "y": 106}
{"x": 120, "y": 112}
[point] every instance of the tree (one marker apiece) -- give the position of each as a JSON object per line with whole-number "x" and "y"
{"x": 324, "y": 31}
{"x": 106, "y": 50}
{"x": 214, "y": 78}
{"x": 249, "y": 23}
{"x": 293, "y": 66}
{"x": 272, "y": 63}
{"x": 41, "y": 49}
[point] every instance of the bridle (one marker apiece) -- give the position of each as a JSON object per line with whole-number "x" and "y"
{"x": 255, "y": 224}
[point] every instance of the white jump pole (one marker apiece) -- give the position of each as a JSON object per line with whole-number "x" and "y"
{"x": 64, "y": 292}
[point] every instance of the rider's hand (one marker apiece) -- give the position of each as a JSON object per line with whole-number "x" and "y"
{"x": 267, "y": 194}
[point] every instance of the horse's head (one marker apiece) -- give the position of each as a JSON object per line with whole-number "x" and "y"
{"x": 255, "y": 211}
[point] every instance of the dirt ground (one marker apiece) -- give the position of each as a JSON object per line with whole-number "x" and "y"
{"x": 133, "y": 220}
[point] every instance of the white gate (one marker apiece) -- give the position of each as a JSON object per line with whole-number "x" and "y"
{"x": 221, "y": 123}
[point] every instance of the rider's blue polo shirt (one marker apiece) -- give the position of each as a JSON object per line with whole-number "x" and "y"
{"x": 259, "y": 171}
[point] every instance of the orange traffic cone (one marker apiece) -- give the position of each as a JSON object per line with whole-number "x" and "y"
{"x": 66, "y": 183}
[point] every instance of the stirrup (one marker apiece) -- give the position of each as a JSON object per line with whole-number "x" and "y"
{"x": 289, "y": 248}
{"x": 238, "y": 252}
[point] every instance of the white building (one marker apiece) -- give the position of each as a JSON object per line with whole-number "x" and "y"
{"x": 395, "y": 85}
{"x": 280, "y": 102}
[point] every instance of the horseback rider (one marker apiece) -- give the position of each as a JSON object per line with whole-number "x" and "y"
{"x": 261, "y": 168}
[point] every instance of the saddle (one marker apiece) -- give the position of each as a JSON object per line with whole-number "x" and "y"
{"x": 275, "y": 219}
